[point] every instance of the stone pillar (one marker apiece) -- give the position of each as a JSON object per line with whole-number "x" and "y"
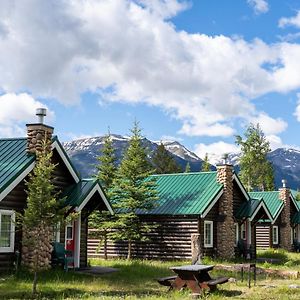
{"x": 36, "y": 135}
{"x": 285, "y": 229}
{"x": 226, "y": 229}
{"x": 196, "y": 248}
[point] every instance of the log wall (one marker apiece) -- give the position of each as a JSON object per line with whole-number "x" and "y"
{"x": 170, "y": 240}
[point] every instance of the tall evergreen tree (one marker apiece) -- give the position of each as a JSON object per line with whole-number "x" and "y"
{"x": 42, "y": 214}
{"x": 256, "y": 171}
{"x": 205, "y": 165}
{"x": 163, "y": 161}
{"x": 187, "y": 168}
{"x": 133, "y": 190}
{"x": 101, "y": 220}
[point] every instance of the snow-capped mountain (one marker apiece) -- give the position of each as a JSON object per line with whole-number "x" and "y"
{"x": 83, "y": 153}
{"x": 179, "y": 150}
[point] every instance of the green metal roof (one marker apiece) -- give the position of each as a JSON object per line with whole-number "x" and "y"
{"x": 13, "y": 160}
{"x": 185, "y": 193}
{"x": 76, "y": 193}
{"x": 247, "y": 209}
{"x": 294, "y": 195}
{"x": 296, "y": 218}
{"x": 271, "y": 199}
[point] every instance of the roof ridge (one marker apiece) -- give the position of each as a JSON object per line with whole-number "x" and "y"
{"x": 185, "y": 174}
{"x": 12, "y": 139}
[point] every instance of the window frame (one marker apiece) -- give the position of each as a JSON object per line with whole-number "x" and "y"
{"x": 275, "y": 235}
{"x": 12, "y": 215}
{"x": 243, "y": 233}
{"x": 211, "y": 243}
{"x": 237, "y": 236}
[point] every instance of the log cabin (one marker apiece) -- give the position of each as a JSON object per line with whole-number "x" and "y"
{"x": 214, "y": 205}
{"x": 283, "y": 231}
{"x": 17, "y": 160}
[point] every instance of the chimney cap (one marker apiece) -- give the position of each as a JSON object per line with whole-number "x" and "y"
{"x": 41, "y": 113}
{"x": 283, "y": 183}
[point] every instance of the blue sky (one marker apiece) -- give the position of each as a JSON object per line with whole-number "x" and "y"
{"x": 195, "y": 71}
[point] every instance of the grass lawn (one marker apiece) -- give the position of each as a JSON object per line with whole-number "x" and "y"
{"x": 136, "y": 280}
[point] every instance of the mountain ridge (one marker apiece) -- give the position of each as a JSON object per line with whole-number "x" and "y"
{"x": 83, "y": 153}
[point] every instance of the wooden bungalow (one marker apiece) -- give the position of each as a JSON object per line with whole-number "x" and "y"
{"x": 212, "y": 204}
{"x": 283, "y": 230}
{"x": 17, "y": 160}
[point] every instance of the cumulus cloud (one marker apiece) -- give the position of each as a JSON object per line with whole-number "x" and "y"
{"x": 292, "y": 21}
{"x": 215, "y": 151}
{"x": 165, "y": 8}
{"x": 16, "y": 110}
{"x": 259, "y": 6}
{"x": 269, "y": 125}
{"x": 129, "y": 51}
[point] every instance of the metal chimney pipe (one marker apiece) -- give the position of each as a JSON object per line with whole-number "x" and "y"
{"x": 41, "y": 113}
{"x": 283, "y": 183}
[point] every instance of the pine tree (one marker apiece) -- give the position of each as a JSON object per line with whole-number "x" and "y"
{"x": 187, "y": 168}
{"x": 163, "y": 161}
{"x": 101, "y": 220}
{"x": 42, "y": 214}
{"x": 256, "y": 171}
{"x": 205, "y": 165}
{"x": 132, "y": 191}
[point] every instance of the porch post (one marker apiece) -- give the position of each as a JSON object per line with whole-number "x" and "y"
{"x": 77, "y": 241}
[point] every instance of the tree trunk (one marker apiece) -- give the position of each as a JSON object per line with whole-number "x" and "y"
{"x": 34, "y": 284}
{"x": 129, "y": 250}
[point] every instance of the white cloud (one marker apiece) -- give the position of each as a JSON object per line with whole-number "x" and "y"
{"x": 165, "y": 8}
{"x": 292, "y": 21}
{"x": 215, "y": 151}
{"x": 127, "y": 51}
{"x": 16, "y": 110}
{"x": 297, "y": 111}
{"x": 259, "y": 6}
{"x": 269, "y": 125}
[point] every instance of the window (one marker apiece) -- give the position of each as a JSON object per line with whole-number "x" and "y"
{"x": 275, "y": 235}
{"x": 69, "y": 232}
{"x": 7, "y": 230}
{"x": 243, "y": 231}
{"x": 236, "y": 228}
{"x": 208, "y": 234}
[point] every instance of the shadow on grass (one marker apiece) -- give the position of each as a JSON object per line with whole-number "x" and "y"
{"x": 228, "y": 294}
{"x": 43, "y": 295}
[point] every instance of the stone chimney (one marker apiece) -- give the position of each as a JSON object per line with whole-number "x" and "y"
{"x": 285, "y": 228}
{"x": 37, "y": 133}
{"x": 225, "y": 228}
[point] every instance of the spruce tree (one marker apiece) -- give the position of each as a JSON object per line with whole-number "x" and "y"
{"x": 256, "y": 171}
{"x": 133, "y": 190}
{"x": 205, "y": 165}
{"x": 187, "y": 168}
{"x": 163, "y": 161}
{"x": 101, "y": 220}
{"x": 41, "y": 216}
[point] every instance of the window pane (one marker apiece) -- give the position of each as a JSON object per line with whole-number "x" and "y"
{"x": 69, "y": 232}
{"x": 207, "y": 233}
{"x": 5, "y": 231}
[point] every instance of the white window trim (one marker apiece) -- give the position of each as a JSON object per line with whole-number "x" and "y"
{"x": 243, "y": 230}
{"x": 275, "y": 236}
{"x": 209, "y": 245}
{"x": 12, "y": 231}
{"x": 66, "y": 230}
{"x": 237, "y": 237}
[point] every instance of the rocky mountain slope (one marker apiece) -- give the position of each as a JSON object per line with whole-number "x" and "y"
{"x": 83, "y": 153}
